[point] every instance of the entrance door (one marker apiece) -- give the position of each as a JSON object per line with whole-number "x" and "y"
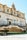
{"x": 9, "y": 23}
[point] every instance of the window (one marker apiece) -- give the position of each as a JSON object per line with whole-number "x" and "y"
{"x": 7, "y": 10}
{"x": 7, "y": 18}
{"x": 17, "y": 15}
{"x": 14, "y": 22}
{"x": 0, "y": 16}
{"x": 9, "y": 23}
{"x": 18, "y": 21}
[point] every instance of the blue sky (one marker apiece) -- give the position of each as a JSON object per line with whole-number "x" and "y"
{"x": 21, "y": 5}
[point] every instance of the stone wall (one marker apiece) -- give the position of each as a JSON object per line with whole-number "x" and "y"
{"x": 11, "y": 11}
{"x": 14, "y": 20}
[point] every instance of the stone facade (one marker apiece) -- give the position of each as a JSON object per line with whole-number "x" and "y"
{"x": 6, "y": 9}
{"x": 12, "y": 16}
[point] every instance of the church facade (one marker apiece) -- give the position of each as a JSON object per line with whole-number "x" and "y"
{"x": 10, "y": 16}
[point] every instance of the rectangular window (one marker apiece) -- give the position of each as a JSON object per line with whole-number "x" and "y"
{"x": 0, "y": 16}
{"x": 7, "y": 10}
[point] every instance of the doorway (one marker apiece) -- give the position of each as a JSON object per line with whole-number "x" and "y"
{"x": 9, "y": 23}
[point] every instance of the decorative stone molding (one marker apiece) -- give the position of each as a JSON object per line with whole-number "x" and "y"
{"x": 11, "y": 11}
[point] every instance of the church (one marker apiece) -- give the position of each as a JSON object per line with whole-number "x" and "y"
{"x": 11, "y": 17}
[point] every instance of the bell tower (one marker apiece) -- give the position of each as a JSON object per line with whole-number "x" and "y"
{"x": 13, "y": 6}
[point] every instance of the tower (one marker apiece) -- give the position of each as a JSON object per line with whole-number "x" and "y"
{"x": 13, "y": 6}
